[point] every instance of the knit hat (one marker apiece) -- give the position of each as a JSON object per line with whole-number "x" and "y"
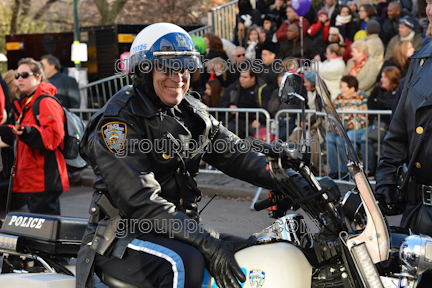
{"x": 246, "y": 20}
{"x": 373, "y": 27}
{"x": 335, "y": 30}
{"x": 322, "y": 11}
{"x": 270, "y": 46}
{"x": 311, "y": 77}
{"x": 407, "y": 21}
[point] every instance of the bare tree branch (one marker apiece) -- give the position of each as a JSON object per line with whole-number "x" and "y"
{"x": 103, "y": 7}
{"x": 43, "y": 9}
{"x": 117, "y": 7}
{"x": 109, "y": 15}
{"x": 25, "y": 11}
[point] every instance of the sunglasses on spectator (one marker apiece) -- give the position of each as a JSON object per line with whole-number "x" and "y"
{"x": 388, "y": 68}
{"x": 239, "y": 55}
{"x": 24, "y": 75}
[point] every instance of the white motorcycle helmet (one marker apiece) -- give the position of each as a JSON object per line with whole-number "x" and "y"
{"x": 163, "y": 44}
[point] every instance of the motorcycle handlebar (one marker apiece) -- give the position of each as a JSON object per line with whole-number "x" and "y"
{"x": 264, "y": 204}
{"x": 267, "y": 149}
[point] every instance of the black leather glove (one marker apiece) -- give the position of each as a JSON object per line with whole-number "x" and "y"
{"x": 388, "y": 200}
{"x": 219, "y": 257}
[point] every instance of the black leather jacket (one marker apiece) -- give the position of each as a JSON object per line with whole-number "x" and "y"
{"x": 146, "y": 183}
{"x": 408, "y": 124}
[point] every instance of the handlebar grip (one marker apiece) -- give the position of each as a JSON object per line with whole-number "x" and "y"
{"x": 264, "y": 204}
{"x": 261, "y": 146}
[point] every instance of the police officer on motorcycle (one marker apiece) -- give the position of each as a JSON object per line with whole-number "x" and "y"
{"x": 409, "y": 142}
{"x": 144, "y": 219}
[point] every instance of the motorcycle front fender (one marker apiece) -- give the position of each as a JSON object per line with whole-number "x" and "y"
{"x": 271, "y": 265}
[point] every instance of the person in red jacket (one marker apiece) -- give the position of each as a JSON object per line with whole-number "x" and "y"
{"x": 292, "y": 18}
{"x": 40, "y": 168}
{"x": 322, "y": 25}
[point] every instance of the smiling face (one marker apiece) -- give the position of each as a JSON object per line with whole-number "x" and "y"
{"x": 393, "y": 11}
{"x": 169, "y": 86}
{"x": 29, "y": 84}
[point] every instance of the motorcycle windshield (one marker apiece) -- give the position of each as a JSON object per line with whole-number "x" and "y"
{"x": 346, "y": 149}
{"x": 375, "y": 235}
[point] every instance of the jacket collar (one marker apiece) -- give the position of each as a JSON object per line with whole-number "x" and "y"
{"x": 424, "y": 52}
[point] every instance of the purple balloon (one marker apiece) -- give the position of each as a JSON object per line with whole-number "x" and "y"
{"x": 301, "y": 7}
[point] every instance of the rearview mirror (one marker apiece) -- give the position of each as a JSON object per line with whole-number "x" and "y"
{"x": 291, "y": 85}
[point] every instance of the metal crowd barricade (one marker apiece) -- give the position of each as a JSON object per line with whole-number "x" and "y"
{"x": 224, "y": 115}
{"x": 84, "y": 114}
{"x": 201, "y": 31}
{"x": 223, "y": 19}
{"x": 99, "y": 92}
{"x": 322, "y": 171}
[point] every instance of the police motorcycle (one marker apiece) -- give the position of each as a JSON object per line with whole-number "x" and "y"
{"x": 354, "y": 247}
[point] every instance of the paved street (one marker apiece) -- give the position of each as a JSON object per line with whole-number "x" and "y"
{"x": 227, "y": 215}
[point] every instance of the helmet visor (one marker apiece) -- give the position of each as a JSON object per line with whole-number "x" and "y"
{"x": 178, "y": 60}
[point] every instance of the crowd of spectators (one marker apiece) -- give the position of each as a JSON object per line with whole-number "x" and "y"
{"x": 360, "y": 47}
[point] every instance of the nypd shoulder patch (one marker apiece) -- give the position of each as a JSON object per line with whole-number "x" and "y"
{"x": 114, "y": 135}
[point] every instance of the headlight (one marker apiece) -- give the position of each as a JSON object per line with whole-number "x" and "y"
{"x": 416, "y": 253}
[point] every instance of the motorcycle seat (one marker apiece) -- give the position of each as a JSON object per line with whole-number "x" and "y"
{"x": 45, "y": 233}
{"x": 114, "y": 282}
{"x": 44, "y": 227}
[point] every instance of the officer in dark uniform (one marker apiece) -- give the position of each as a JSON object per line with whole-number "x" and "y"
{"x": 411, "y": 122}
{"x": 144, "y": 226}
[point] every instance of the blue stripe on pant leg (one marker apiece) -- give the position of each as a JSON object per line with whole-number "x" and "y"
{"x": 159, "y": 251}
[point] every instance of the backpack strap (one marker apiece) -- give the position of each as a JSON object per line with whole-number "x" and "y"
{"x": 35, "y": 107}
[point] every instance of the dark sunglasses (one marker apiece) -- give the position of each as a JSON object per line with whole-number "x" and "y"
{"x": 239, "y": 55}
{"x": 24, "y": 75}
